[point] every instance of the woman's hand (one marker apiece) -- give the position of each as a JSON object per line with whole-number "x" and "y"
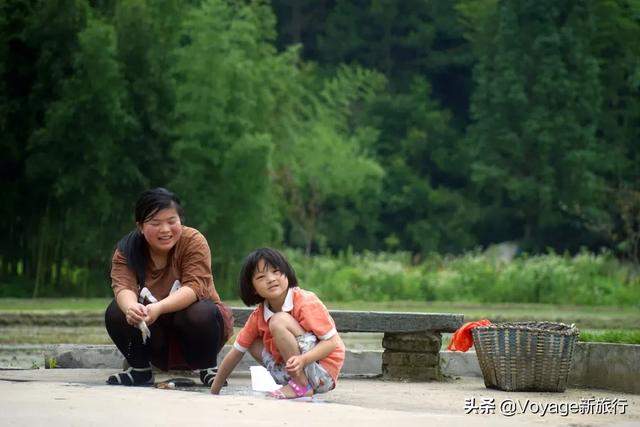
{"x": 296, "y": 364}
{"x": 135, "y": 313}
{"x": 153, "y": 312}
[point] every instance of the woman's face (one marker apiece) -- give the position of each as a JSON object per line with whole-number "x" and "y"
{"x": 162, "y": 231}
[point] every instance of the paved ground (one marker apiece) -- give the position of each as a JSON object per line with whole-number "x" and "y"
{"x": 63, "y": 397}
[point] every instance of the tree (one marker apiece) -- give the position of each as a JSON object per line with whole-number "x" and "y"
{"x": 535, "y": 109}
{"x": 39, "y": 42}
{"x": 226, "y": 75}
{"x": 17, "y": 71}
{"x": 329, "y": 164}
{"x": 79, "y": 154}
{"x": 617, "y": 217}
{"x": 425, "y": 204}
{"x": 147, "y": 35}
{"x": 403, "y": 40}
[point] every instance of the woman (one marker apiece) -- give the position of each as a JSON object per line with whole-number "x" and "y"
{"x": 180, "y": 305}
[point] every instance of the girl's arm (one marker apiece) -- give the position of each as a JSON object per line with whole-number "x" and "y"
{"x": 320, "y": 351}
{"x": 227, "y": 366}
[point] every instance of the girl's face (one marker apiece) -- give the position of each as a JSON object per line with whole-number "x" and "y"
{"x": 269, "y": 282}
{"x": 162, "y": 231}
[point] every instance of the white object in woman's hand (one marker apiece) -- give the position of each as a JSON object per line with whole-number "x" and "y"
{"x": 146, "y": 333}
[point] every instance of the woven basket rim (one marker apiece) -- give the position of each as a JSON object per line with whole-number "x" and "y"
{"x": 533, "y": 326}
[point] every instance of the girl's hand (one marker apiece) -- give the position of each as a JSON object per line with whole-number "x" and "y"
{"x": 296, "y": 364}
{"x": 135, "y": 313}
{"x": 216, "y": 386}
{"x": 153, "y": 312}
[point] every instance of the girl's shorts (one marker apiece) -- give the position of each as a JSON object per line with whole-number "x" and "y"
{"x": 318, "y": 377}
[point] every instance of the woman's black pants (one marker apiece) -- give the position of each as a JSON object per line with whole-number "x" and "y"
{"x": 198, "y": 329}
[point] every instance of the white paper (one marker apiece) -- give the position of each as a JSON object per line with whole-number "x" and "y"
{"x": 175, "y": 287}
{"x": 261, "y": 379}
{"x": 146, "y": 333}
{"x": 145, "y": 293}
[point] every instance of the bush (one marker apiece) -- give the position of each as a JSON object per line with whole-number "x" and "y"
{"x": 584, "y": 279}
{"x": 624, "y": 336}
{"x": 367, "y": 276}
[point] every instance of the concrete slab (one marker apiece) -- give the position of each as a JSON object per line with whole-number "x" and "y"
{"x": 381, "y": 321}
{"x": 595, "y": 365}
{"x": 57, "y": 397}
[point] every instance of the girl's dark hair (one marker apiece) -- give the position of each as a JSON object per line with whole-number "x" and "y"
{"x": 133, "y": 246}
{"x": 272, "y": 258}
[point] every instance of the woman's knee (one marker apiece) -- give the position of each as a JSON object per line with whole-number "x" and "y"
{"x": 283, "y": 321}
{"x": 200, "y": 313}
{"x": 113, "y": 315}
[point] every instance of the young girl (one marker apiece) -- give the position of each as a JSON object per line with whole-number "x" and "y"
{"x": 290, "y": 332}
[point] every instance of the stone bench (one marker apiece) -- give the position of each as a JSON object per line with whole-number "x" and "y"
{"x": 411, "y": 341}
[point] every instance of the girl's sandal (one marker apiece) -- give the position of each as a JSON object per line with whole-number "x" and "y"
{"x": 299, "y": 391}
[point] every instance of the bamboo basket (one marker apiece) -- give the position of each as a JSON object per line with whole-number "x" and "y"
{"x": 525, "y": 356}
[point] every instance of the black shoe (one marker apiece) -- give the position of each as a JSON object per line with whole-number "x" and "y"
{"x": 132, "y": 376}
{"x": 208, "y": 375}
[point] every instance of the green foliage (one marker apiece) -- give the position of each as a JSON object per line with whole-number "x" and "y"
{"x": 535, "y": 109}
{"x": 228, "y": 79}
{"x": 422, "y": 202}
{"x": 327, "y": 161}
{"x": 585, "y": 279}
{"x": 77, "y": 150}
{"x": 366, "y": 277}
{"x": 147, "y": 34}
{"x": 613, "y": 336}
{"x": 51, "y": 363}
{"x": 426, "y": 206}
{"x": 95, "y": 305}
{"x": 411, "y": 126}
{"x": 617, "y": 219}
{"x": 18, "y": 288}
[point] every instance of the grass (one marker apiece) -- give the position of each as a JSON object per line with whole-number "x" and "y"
{"x": 599, "y": 323}
{"x": 54, "y": 304}
{"x": 623, "y": 336}
{"x": 585, "y": 317}
{"x": 354, "y": 341}
{"x": 54, "y": 335}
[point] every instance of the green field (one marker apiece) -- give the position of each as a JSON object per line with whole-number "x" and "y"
{"x": 585, "y": 317}
{"x": 57, "y": 304}
{"x": 600, "y": 323}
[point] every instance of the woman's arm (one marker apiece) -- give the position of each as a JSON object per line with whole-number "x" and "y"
{"x": 127, "y": 301}
{"x": 320, "y": 351}
{"x": 195, "y": 268}
{"x": 180, "y": 299}
{"x": 227, "y": 366}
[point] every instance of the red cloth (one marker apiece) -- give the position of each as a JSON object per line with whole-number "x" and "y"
{"x": 462, "y": 340}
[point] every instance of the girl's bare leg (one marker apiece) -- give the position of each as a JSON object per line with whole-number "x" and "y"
{"x": 284, "y": 329}
{"x": 256, "y": 350}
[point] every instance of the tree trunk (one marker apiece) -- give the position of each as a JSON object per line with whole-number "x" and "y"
{"x": 58, "y": 257}
{"x": 41, "y": 258}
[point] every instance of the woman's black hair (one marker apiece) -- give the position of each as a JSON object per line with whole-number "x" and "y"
{"x": 272, "y": 258}
{"x": 134, "y": 246}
